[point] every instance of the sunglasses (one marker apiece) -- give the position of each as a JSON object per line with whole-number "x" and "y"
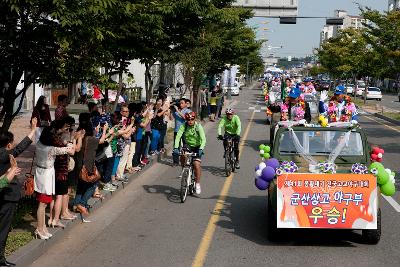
{"x": 192, "y": 119}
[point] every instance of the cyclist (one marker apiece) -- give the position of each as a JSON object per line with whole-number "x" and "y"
{"x": 232, "y": 126}
{"x": 195, "y": 141}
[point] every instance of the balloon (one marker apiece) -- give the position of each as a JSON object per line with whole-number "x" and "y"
{"x": 262, "y": 152}
{"x": 380, "y": 155}
{"x": 266, "y": 156}
{"x": 257, "y": 168}
{"x": 258, "y": 173}
{"x": 274, "y": 163}
{"x": 389, "y": 171}
{"x": 388, "y": 189}
{"x": 261, "y": 184}
{"x": 381, "y": 151}
{"x": 267, "y": 149}
{"x": 374, "y": 156}
{"x": 261, "y": 147}
{"x": 376, "y": 165}
{"x": 262, "y": 165}
{"x": 379, "y": 160}
{"x": 383, "y": 177}
{"x": 375, "y": 150}
{"x": 268, "y": 174}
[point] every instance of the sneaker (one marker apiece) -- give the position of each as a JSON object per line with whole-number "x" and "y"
{"x": 198, "y": 189}
{"x": 237, "y": 166}
{"x": 144, "y": 161}
{"x": 109, "y": 187}
{"x": 152, "y": 153}
{"x": 124, "y": 179}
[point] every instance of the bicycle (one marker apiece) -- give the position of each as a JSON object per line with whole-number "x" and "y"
{"x": 188, "y": 182}
{"x": 230, "y": 159}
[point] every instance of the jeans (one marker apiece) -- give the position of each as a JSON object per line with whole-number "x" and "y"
{"x": 155, "y": 138}
{"x": 139, "y": 151}
{"x": 105, "y": 168}
{"x": 7, "y": 211}
{"x": 163, "y": 133}
{"x": 115, "y": 166}
{"x": 84, "y": 192}
{"x": 146, "y": 143}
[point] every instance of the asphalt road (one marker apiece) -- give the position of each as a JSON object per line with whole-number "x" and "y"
{"x": 389, "y": 101}
{"x": 146, "y": 225}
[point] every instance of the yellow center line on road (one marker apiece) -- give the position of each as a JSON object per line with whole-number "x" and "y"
{"x": 384, "y": 124}
{"x": 205, "y": 243}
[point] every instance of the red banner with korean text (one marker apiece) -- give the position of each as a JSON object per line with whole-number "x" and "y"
{"x": 347, "y": 201}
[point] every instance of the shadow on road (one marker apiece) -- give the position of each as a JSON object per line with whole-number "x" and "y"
{"x": 247, "y": 218}
{"x": 216, "y": 171}
{"x": 171, "y": 193}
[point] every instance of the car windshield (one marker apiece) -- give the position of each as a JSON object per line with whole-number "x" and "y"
{"x": 374, "y": 89}
{"x": 321, "y": 143}
{"x": 350, "y": 85}
{"x": 361, "y": 84}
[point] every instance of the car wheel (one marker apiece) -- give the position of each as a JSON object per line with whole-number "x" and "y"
{"x": 373, "y": 236}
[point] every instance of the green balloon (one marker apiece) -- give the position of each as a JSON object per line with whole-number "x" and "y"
{"x": 393, "y": 174}
{"x": 376, "y": 165}
{"x": 388, "y": 189}
{"x": 267, "y": 149}
{"x": 266, "y": 155}
{"x": 261, "y": 147}
{"x": 383, "y": 177}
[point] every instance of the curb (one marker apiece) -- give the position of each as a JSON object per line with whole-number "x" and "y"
{"x": 380, "y": 116}
{"x": 27, "y": 254}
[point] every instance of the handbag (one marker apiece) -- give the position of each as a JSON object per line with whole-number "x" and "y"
{"x": 84, "y": 174}
{"x": 29, "y": 183}
{"x": 71, "y": 164}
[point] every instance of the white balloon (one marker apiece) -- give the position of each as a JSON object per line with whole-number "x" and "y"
{"x": 258, "y": 173}
{"x": 392, "y": 179}
{"x": 380, "y": 155}
{"x": 262, "y": 165}
{"x": 389, "y": 171}
{"x": 261, "y": 152}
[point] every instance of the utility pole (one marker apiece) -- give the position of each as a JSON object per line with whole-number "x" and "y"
{"x": 247, "y": 73}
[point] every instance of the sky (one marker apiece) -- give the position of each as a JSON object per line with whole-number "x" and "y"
{"x": 300, "y": 39}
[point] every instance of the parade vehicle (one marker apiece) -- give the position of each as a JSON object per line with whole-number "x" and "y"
{"x": 322, "y": 181}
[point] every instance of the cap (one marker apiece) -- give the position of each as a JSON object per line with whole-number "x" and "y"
{"x": 294, "y": 92}
{"x": 339, "y": 90}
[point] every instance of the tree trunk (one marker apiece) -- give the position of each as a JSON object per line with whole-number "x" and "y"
{"x": 120, "y": 84}
{"x": 366, "y": 81}
{"x": 71, "y": 93}
{"x": 148, "y": 82}
{"x": 195, "y": 100}
{"x": 8, "y": 108}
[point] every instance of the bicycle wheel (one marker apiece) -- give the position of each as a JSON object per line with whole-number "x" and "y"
{"x": 184, "y": 184}
{"x": 233, "y": 160}
{"x": 228, "y": 168}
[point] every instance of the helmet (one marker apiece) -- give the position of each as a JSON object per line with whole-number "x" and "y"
{"x": 229, "y": 111}
{"x": 190, "y": 116}
{"x": 306, "y": 80}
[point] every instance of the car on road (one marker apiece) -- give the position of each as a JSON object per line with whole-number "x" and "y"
{"x": 350, "y": 88}
{"x": 374, "y": 93}
{"x": 235, "y": 90}
{"x": 360, "y": 87}
{"x": 309, "y": 195}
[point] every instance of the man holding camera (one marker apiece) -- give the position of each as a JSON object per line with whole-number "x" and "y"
{"x": 179, "y": 115}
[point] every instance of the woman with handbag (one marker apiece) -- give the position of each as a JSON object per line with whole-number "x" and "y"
{"x": 85, "y": 164}
{"x": 62, "y": 138}
{"x": 42, "y": 113}
{"x": 46, "y": 154}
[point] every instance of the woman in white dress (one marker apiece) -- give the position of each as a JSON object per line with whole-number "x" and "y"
{"x": 45, "y": 175}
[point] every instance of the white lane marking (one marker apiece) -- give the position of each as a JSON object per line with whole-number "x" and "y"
{"x": 257, "y": 111}
{"x": 263, "y": 108}
{"x": 252, "y": 108}
{"x": 392, "y": 202}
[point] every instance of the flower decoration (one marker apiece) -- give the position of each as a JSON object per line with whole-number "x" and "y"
{"x": 359, "y": 168}
{"x": 287, "y": 167}
{"x": 327, "y": 167}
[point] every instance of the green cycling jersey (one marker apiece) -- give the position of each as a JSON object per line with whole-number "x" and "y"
{"x": 232, "y": 127}
{"x": 194, "y": 135}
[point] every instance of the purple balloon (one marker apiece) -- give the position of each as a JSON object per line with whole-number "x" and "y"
{"x": 274, "y": 163}
{"x": 268, "y": 174}
{"x": 257, "y": 168}
{"x": 261, "y": 184}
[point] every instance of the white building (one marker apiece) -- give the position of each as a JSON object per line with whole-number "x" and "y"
{"x": 393, "y": 4}
{"x": 326, "y": 33}
{"x": 329, "y": 31}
